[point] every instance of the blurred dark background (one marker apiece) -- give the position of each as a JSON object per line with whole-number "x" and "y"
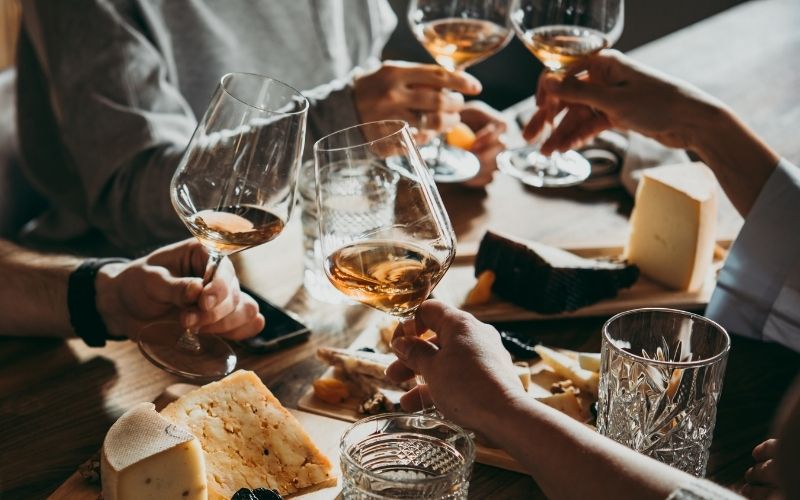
{"x": 510, "y": 75}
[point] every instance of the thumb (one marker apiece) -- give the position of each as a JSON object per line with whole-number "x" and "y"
{"x": 415, "y": 353}
{"x": 164, "y": 288}
{"x": 573, "y": 90}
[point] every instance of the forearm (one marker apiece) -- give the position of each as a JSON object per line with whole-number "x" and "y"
{"x": 33, "y": 295}
{"x": 555, "y": 449}
{"x": 741, "y": 161}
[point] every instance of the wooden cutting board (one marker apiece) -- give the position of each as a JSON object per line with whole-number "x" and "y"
{"x": 324, "y": 431}
{"x": 460, "y": 279}
{"x": 541, "y": 380}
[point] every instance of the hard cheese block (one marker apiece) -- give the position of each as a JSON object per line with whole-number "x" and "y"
{"x": 250, "y": 440}
{"x": 145, "y": 456}
{"x": 673, "y": 225}
{"x": 547, "y": 279}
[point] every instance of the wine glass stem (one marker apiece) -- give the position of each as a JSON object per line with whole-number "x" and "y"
{"x": 189, "y": 341}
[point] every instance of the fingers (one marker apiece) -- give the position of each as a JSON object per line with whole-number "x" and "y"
{"x": 766, "y": 450}
{"x": 536, "y": 125}
{"x": 758, "y": 492}
{"x": 580, "y": 124}
{"x": 424, "y": 99}
{"x": 416, "y": 399}
{"x": 443, "y": 319}
{"x": 576, "y": 91}
{"x": 438, "y": 122}
{"x": 429, "y": 75}
{"x": 398, "y": 372}
{"x": 763, "y": 473}
{"x": 415, "y": 353}
{"x": 245, "y": 321}
{"x": 163, "y": 288}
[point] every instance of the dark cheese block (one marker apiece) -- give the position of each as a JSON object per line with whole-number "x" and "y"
{"x": 549, "y": 280}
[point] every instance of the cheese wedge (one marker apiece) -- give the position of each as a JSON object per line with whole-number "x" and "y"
{"x": 589, "y": 361}
{"x": 250, "y": 440}
{"x": 567, "y": 367}
{"x": 673, "y": 225}
{"x": 145, "y": 456}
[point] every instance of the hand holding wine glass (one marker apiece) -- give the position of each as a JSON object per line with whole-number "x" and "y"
{"x": 560, "y": 35}
{"x": 234, "y": 189}
{"x": 458, "y": 34}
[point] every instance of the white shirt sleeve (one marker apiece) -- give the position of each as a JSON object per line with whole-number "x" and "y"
{"x": 758, "y": 291}
{"x": 701, "y": 489}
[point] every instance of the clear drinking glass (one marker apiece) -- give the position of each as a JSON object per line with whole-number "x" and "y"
{"x": 458, "y": 34}
{"x": 397, "y": 455}
{"x": 234, "y": 189}
{"x": 660, "y": 380}
{"x": 559, "y": 34}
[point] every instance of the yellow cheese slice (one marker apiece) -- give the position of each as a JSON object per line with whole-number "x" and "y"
{"x": 673, "y": 225}
{"x": 145, "y": 456}
{"x": 568, "y": 367}
{"x": 250, "y": 440}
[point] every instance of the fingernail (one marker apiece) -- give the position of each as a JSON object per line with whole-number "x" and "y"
{"x": 401, "y": 345}
{"x": 189, "y": 320}
{"x": 210, "y": 301}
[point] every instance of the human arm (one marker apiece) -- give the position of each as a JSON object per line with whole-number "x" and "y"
{"x": 609, "y": 90}
{"x": 159, "y": 286}
{"x": 487, "y": 397}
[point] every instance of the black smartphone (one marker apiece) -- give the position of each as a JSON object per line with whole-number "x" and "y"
{"x": 281, "y": 328}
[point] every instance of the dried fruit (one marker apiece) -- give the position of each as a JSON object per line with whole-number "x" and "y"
{"x": 461, "y": 136}
{"x": 482, "y": 291}
{"x": 331, "y": 390}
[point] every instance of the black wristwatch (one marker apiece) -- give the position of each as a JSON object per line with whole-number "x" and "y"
{"x": 82, "y": 303}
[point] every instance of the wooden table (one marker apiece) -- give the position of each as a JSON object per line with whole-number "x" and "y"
{"x": 58, "y": 399}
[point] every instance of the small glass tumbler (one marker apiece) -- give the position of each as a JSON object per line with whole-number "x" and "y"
{"x": 661, "y": 377}
{"x": 401, "y": 455}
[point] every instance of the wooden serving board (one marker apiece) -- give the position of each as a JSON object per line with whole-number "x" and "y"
{"x": 324, "y": 431}
{"x": 460, "y": 279}
{"x": 541, "y": 380}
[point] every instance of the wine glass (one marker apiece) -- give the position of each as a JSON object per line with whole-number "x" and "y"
{"x": 234, "y": 189}
{"x": 384, "y": 231}
{"x": 559, "y": 34}
{"x": 458, "y": 34}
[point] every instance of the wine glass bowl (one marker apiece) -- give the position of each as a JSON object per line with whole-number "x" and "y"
{"x": 234, "y": 188}
{"x": 559, "y": 34}
{"x": 384, "y": 232}
{"x": 457, "y": 34}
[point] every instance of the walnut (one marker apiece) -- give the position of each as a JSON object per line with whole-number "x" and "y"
{"x": 375, "y": 404}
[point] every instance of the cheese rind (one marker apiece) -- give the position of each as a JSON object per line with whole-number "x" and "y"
{"x": 250, "y": 440}
{"x": 673, "y": 225}
{"x": 145, "y": 456}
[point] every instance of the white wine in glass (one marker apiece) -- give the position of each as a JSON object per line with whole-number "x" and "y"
{"x": 457, "y": 34}
{"x": 559, "y": 34}
{"x": 234, "y": 189}
{"x": 384, "y": 232}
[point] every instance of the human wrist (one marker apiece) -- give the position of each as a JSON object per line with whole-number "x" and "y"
{"x": 107, "y": 299}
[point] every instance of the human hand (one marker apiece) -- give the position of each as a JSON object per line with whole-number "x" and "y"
{"x": 762, "y": 479}
{"x": 489, "y": 126}
{"x": 608, "y": 90}
{"x": 164, "y": 286}
{"x": 426, "y": 96}
{"x": 468, "y": 373}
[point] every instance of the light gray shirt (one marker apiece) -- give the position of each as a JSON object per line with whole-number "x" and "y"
{"x": 111, "y": 90}
{"x": 758, "y": 290}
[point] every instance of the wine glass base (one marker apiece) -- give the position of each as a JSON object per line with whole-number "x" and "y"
{"x": 534, "y": 169}
{"x": 449, "y": 164}
{"x": 212, "y": 360}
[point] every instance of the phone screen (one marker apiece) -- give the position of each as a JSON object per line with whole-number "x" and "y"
{"x": 280, "y": 329}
